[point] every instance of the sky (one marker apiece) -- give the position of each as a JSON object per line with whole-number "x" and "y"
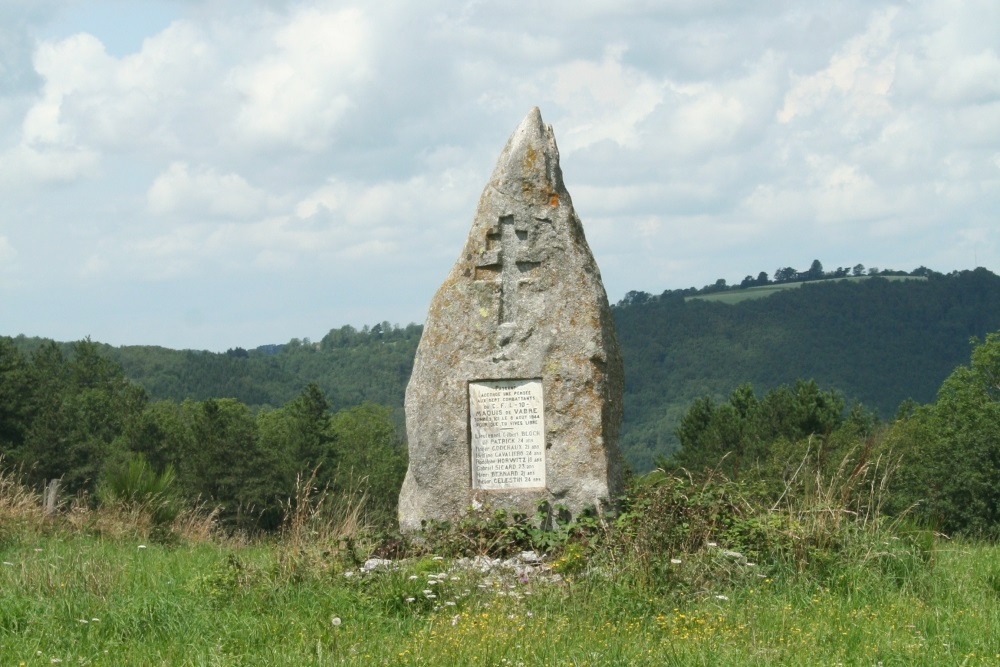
{"x": 214, "y": 174}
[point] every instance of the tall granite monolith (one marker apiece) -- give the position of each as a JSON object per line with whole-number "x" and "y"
{"x": 516, "y": 391}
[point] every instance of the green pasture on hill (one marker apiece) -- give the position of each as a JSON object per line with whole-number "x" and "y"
{"x": 738, "y": 295}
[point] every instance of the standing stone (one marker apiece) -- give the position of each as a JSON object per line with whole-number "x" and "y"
{"x": 516, "y": 391}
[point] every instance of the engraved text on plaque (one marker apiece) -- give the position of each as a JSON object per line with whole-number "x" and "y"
{"x": 508, "y": 434}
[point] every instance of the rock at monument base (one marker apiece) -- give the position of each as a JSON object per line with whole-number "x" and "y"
{"x": 515, "y": 396}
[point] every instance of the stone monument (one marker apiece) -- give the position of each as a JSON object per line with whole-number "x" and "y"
{"x": 516, "y": 391}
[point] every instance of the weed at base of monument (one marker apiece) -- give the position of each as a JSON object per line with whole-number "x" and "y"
{"x": 702, "y": 534}
{"x": 320, "y": 530}
{"x": 500, "y": 533}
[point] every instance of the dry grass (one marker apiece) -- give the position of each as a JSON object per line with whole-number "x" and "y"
{"x": 23, "y": 511}
{"x": 315, "y": 516}
{"x": 19, "y": 506}
{"x": 319, "y": 528}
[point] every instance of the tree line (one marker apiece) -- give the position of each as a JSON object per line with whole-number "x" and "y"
{"x": 877, "y": 341}
{"x": 940, "y": 462}
{"x": 782, "y": 275}
{"x": 77, "y": 417}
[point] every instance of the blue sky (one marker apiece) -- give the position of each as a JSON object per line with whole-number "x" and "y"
{"x": 216, "y": 174}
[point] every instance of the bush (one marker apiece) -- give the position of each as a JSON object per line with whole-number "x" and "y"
{"x": 135, "y": 485}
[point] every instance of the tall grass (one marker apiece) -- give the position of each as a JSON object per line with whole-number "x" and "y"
{"x": 696, "y": 571}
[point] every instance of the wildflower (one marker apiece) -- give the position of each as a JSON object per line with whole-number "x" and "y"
{"x": 438, "y": 558}
{"x": 410, "y": 599}
{"x": 349, "y": 574}
{"x": 335, "y": 621}
{"x": 675, "y": 561}
{"x": 431, "y": 597}
{"x": 84, "y": 621}
{"x": 449, "y": 603}
{"x": 454, "y": 620}
{"x": 721, "y": 597}
{"x": 413, "y": 577}
{"x": 427, "y": 591}
{"x": 142, "y": 546}
{"x": 6, "y": 562}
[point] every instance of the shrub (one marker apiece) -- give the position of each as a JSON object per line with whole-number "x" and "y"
{"x": 135, "y": 485}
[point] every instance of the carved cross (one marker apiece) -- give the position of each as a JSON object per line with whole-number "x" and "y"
{"x": 506, "y": 259}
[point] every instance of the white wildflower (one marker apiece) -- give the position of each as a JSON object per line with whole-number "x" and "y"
{"x": 335, "y": 621}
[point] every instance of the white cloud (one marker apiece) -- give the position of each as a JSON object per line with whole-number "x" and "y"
{"x": 607, "y": 100}
{"x": 26, "y": 165}
{"x": 309, "y": 142}
{"x": 298, "y": 90}
{"x": 8, "y": 264}
{"x": 7, "y": 254}
{"x": 203, "y": 191}
{"x": 858, "y": 77}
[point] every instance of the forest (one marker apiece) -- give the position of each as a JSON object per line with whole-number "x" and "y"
{"x": 748, "y": 385}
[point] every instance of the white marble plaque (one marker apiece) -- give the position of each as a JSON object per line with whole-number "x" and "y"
{"x": 508, "y": 434}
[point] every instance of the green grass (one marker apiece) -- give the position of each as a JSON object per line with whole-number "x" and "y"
{"x": 736, "y": 296}
{"x": 832, "y": 585}
{"x": 86, "y": 600}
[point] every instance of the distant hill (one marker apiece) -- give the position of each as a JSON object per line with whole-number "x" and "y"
{"x": 878, "y": 341}
{"x": 735, "y": 295}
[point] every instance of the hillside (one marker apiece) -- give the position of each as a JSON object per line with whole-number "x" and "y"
{"x": 877, "y": 341}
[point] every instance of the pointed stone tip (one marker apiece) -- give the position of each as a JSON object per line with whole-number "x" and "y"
{"x": 530, "y": 158}
{"x": 531, "y": 128}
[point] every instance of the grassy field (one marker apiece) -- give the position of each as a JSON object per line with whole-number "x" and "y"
{"x": 91, "y": 601}
{"x": 736, "y": 296}
{"x": 91, "y": 587}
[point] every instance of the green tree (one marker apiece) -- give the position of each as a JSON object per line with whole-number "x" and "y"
{"x": 15, "y": 399}
{"x": 82, "y": 407}
{"x": 952, "y": 448}
{"x": 227, "y": 465}
{"x": 741, "y": 434}
{"x": 785, "y": 275}
{"x": 369, "y": 457}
